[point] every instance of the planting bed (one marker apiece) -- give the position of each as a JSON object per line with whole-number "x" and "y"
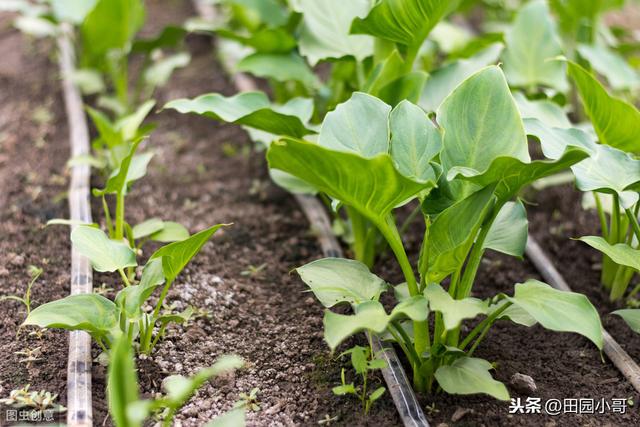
{"x": 241, "y": 285}
{"x": 33, "y": 153}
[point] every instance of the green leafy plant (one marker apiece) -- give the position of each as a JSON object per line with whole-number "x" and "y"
{"x": 465, "y": 173}
{"x": 106, "y": 320}
{"x": 128, "y": 410}
{"x": 363, "y": 362}
{"x": 249, "y": 400}
{"x": 35, "y": 273}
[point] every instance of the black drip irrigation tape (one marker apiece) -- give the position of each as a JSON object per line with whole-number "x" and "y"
{"x": 396, "y": 379}
{"x": 620, "y": 358}
{"x": 79, "y": 411}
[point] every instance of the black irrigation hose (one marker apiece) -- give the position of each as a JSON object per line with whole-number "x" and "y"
{"x": 79, "y": 411}
{"x": 620, "y": 358}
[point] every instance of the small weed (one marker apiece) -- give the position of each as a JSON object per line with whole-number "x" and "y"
{"x": 249, "y": 401}
{"x": 253, "y": 271}
{"x": 39, "y": 400}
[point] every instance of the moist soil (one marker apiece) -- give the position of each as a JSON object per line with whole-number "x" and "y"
{"x": 247, "y": 300}
{"x": 33, "y": 179}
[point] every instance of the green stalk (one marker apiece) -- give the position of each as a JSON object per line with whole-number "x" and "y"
{"x": 634, "y": 223}
{"x": 410, "y": 58}
{"x": 389, "y": 230}
{"x": 470, "y": 271}
{"x": 163, "y": 295}
{"x": 488, "y": 321}
{"x": 412, "y": 216}
{"x": 362, "y": 248}
{"x": 107, "y": 216}
{"x": 119, "y": 234}
{"x": 602, "y": 216}
{"x": 124, "y": 278}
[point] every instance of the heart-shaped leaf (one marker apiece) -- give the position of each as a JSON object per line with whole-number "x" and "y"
{"x": 105, "y": 254}
{"x": 604, "y": 110}
{"x": 454, "y": 311}
{"x": 470, "y": 375}
{"x": 251, "y": 109}
{"x": 335, "y": 280}
{"x": 558, "y": 310}
{"x": 175, "y": 256}
{"x": 86, "y": 312}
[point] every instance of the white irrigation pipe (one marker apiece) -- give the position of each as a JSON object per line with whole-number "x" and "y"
{"x": 620, "y": 358}
{"x": 79, "y": 411}
{"x": 398, "y": 384}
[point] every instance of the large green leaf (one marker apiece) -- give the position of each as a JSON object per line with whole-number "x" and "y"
{"x": 470, "y": 375}
{"x": 454, "y": 311}
{"x": 281, "y": 67}
{"x": 453, "y": 232}
{"x": 555, "y": 140}
{"x": 415, "y": 141}
{"x": 511, "y": 174}
{"x": 481, "y": 123}
{"x": 105, "y": 254}
{"x": 558, "y": 310}
{"x": 531, "y": 41}
{"x": 616, "y": 122}
{"x": 406, "y": 22}
{"x": 87, "y": 312}
{"x": 548, "y": 112}
{"x": 609, "y": 170}
{"x": 371, "y": 316}
{"x": 631, "y": 316}
{"x": 175, "y": 256}
{"x": 371, "y": 186}
{"x": 122, "y": 383}
{"x": 444, "y": 80}
{"x": 359, "y": 125}
{"x": 620, "y": 253}
{"x": 614, "y": 67}
{"x": 509, "y": 231}
{"x": 335, "y": 280}
{"x": 251, "y": 109}
{"x": 111, "y": 24}
{"x": 324, "y": 32}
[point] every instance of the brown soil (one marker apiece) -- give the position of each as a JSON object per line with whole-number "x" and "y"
{"x": 33, "y": 179}
{"x": 266, "y": 318}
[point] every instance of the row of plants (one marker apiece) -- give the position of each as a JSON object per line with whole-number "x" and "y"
{"x": 409, "y": 109}
{"x": 374, "y": 106}
{"x": 118, "y": 72}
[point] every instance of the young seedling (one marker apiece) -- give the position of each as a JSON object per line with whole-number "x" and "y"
{"x": 30, "y": 355}
{"x": 248, "y": 400}
{"x": 363, "y": 363}
{"x": 106, "y": 320}
{"x": 39, "y": 400}
{"x": 35, "y": 273}
{"x": 466, "y": 178}
{"x": 126, "y": 407}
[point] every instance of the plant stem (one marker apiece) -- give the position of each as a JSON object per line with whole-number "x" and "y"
{"x": 163, "y": 295}
{"x": 119, "y": 234}
{"x": 473, "y": 263}
{"x": 634, "y": 223}
{"x": 407, "y": 222}
{"x": 602, "y": 216}
{"x": 107, "y": 216}
{"x": 124, "y": 277}
{"x": 420, "y": 329}
{"x": 482, "y": 325}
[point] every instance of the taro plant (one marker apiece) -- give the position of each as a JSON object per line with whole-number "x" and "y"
{"x": 128, "y": 410}
{"x": 465, "y": 172}
{"x": 371, "y": 48}
{"x": 611, "y": 174}
{"x": 106, "y": 320}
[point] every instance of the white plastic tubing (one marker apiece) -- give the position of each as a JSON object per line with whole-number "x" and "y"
{"x": 79, "y": 411}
